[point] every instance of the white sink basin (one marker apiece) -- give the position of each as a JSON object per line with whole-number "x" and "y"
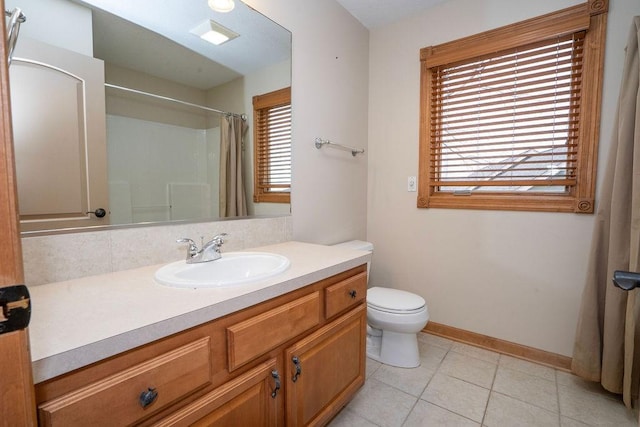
{"x": 234, "y": 268}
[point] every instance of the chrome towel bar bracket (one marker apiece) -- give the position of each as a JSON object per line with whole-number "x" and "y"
{"x": 320, "y": 142}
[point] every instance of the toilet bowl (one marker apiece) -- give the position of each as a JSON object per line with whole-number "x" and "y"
{"x": 394, "y": 317}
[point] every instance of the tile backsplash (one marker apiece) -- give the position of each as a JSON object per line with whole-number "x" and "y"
{"x": 59, "y": 257}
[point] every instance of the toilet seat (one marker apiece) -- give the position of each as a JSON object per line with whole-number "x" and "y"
{"x": 394, "y": 301}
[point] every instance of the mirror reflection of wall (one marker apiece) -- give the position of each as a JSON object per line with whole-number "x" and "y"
{"x": 162, "y": 157}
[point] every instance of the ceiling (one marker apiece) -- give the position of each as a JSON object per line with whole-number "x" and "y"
{"x": 378, "y": 13}
{"x": 150, "y": 36}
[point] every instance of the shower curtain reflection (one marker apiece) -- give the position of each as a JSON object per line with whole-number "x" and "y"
{"x": 233, "y": 201}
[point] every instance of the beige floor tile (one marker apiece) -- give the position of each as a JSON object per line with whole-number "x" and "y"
{"x": 460, "y": 397}
{"x": 526, "y": 387}
{"x": 571, "y": 380}
{"x": 412, "y": 381}
{"x": 425, "y": 414}
{"x": 382, "y": 404}
{"x": 435, "y": 340}
{"x": 458, "y": 393}
{"x": 431, "y": 355}
{"x": 346, "y": 418}
{"x": 477, "y": 352}
{"x": 594, "y": 408}
{"x": 506, "y": 411}
{"x": 468, "y": 368}
{"x": 527, "y": 367}
{"x": 371, "y": 367}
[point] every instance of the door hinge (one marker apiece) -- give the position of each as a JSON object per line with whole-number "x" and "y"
{"x": 15, "y": 308}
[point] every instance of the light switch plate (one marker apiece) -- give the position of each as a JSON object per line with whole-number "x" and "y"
{"x": 411, "y": 183}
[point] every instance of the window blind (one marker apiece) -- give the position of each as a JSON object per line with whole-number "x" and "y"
{"x": 273, "y": 153}
{"x": 508, "y": 122}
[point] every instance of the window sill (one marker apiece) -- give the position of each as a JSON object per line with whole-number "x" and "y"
{"x": 511, "y": 202}
{"x": 272, "y": 198}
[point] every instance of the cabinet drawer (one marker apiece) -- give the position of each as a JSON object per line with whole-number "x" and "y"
{"x": 345, "y": 294}
{"x": 257, "y": 335}
{"x": 115, "y": 400}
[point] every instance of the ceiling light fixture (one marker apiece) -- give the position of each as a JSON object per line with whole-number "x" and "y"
{"x": 223, "y": 6}
{"x": 213, "y": 32}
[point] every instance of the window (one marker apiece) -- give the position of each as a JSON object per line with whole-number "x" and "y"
{"x": 510, "y": 117}
{"x": 272, "y": 146}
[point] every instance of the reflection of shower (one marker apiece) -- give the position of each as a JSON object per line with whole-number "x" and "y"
{"x": 16, "y": 17}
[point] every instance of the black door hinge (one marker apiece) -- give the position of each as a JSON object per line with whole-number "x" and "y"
{"x": 15, "y": 308}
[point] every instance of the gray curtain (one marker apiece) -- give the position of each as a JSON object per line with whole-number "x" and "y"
{"x": 233, "y": 201}
{"x": 607, "y": 333}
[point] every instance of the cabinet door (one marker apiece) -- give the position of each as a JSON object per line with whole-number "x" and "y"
{"x": 252, "y": 399}
{"x": 325, "y": 369}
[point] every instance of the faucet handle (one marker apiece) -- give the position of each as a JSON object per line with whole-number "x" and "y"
{"x": 215, "y": 243}
{"x": 193, "y": 248}
{"x": 186, "y": 240}
{"x": 218, "y": 239}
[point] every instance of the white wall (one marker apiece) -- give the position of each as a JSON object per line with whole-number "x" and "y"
{"x": 57, "y": 22}
{"x": 517, "y": 276}
{"x": 329, "y": 100}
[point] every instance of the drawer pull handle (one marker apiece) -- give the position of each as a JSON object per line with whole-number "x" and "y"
{"x": 148, "y": 397}
{"x": 353, "y": 293}
{"x": 276, "y": 377}
{"x": 296, "y": 362}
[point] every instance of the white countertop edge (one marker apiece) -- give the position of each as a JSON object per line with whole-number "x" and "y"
{"x": 62, "y": 363}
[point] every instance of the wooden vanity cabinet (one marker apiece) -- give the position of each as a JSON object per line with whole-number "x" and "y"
{"x": 236, "y": 370}
{"x": 325, "y": 369}
{"x": 248, "y": 400}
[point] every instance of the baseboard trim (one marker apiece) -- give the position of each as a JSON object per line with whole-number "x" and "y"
{"x": 520, "y": 351}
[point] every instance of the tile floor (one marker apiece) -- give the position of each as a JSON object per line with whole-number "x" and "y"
{"x": 461, "y": 385}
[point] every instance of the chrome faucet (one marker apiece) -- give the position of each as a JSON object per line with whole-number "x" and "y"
{"x": 210, "y": 251}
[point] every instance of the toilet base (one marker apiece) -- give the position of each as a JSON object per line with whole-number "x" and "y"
{"x": 395, "y": 349}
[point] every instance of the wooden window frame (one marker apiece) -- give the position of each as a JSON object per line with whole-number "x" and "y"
{"x": 260, "y": 103}
{"x": 590, "y": 17}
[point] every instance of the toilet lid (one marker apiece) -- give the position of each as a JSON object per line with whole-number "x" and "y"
{"x": 394, "y": 300}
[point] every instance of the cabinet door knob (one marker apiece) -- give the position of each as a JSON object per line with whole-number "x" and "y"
{"x": 99, "y": 213}
{"x": 276, "y": 377}
{"x": 296, "y": 362}
{"x": 352, "y": 293}
{"x": 148, "y": 397}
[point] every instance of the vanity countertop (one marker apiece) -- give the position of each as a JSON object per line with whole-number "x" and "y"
{"x": 78, "y": 322}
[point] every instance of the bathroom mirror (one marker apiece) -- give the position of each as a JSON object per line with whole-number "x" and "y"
{"x": 161, "y": 156}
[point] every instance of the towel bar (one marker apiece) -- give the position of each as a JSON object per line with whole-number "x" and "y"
{"x": 320, "y": 142}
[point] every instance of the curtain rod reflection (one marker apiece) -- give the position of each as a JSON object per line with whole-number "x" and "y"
{"x": 166, "y": 98}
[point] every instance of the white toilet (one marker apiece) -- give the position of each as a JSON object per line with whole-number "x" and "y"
{"x": 394, "y": 318}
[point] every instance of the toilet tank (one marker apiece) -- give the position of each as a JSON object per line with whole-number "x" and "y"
{"x": 360, "y": 245}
